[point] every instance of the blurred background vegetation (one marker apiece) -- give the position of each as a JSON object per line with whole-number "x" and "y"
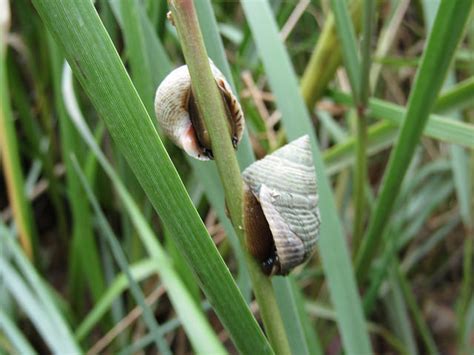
{"x": 86, "y": 263}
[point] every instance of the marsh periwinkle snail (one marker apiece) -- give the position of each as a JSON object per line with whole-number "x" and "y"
{"x": 281, "y": 215}
{"x": 179, "y": 117}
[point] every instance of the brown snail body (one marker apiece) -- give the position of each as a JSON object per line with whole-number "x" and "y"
{"x": 281, "y": 215}
{"x": 178, "y": 115}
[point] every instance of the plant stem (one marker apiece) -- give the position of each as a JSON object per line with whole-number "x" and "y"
{"x": 212, "y": 110}
{"x": 360, "y": 173}
{"x": 326, "y": 58}
{"x": 10, "y": 156}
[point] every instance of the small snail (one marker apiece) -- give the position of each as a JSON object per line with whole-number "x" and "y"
{"x": 179, "y": 117}
{"x": 281, "y": 215}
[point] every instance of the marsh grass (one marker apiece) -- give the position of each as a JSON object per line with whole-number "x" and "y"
{"x": 113, "y": 237}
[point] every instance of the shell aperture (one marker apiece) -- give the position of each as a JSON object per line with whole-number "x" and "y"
{"x": 284, "y": 184}
{"x": 178, "y": 115}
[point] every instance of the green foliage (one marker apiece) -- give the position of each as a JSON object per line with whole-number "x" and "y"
{"x": 103, "y": 248}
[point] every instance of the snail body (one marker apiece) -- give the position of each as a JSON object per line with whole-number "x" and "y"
{"x": 178, "y": 115}
{"x": 281, "y": 215}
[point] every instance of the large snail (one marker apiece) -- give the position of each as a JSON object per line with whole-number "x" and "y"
{"x": 179, "y": 117}
{"x": 281, "y": 215}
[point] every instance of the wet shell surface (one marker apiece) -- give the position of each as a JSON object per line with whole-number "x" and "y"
{"x": 281, "y": 215}
{"x": 177, "y": 113}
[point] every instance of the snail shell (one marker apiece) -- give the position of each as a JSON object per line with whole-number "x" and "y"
{"x": 179, "y": 117}
{"x": 281, "y": 215}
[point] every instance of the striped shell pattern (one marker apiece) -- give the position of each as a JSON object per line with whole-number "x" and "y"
{"x": 284, "y": 184}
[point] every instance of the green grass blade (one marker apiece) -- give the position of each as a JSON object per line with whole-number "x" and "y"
{"x": 122, "y": 261}
{"x": 10, "y": 156}
{"x": 15, "y": 335}
{"x": 426, "y": 336}
{"x": 326, "y": 57}
{"x": 457, "y": 97}
{"x": 350, "y": 54}
{"x": 398, "y": 317}
{"x": 35, "y": 299}
{"x": 442, "y": 43}
{"x": 296, "y": 121}
{"x": 437, "y": 127}
{"x": 32, "y": 308}
{"x": 77, "y": 28}
{"x": 140, "y": 64}
{"x": 201, "y": 335}
{"x": 245, "y": 156}
{"x": 291, "y": 303}
{"x": 380, "y": 135}
{"x": 84, "y": 254}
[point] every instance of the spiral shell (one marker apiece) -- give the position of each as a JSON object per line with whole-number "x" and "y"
{"x": 281, "y": 214}
{"x": 179, "y": 117}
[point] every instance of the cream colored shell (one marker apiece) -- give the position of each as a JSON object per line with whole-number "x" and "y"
{"x": 171, "y": 108}
{"x": 284, "y": 183}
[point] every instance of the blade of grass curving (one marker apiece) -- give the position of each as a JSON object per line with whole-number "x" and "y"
{"x": 9, "y": 151}
{"x": 122, "y": 261}
{"x": 442, "y": 42}
{"x": 77, "y": 28}
{"x": 201, "y": 335}
{"x": 296, "y": 121}
{"x": 15, "y": 335}
{"x": 437, "y": 127}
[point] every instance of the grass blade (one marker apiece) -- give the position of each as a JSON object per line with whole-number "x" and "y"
{"x": 77, "y": 28}
{"x": 35, "y": 299}
{"x": 200, "y": 334}
{"x": 9, "y": 150}
{"x": 296, "y": 120}
{"x": 437, "y": 127}
{"x": 326, "y": 57}
{"x": 121, "y": 259}
{"x": 350, "y": 54}
{"x": 17, "y": 339}
{"x": 443, "y": 40}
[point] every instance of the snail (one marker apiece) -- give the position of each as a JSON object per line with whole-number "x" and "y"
{"x": 281, "y": 215}
{"x": 179, "y": 117}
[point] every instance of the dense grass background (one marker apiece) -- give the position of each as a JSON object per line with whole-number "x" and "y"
{"x": 113, "y": 241}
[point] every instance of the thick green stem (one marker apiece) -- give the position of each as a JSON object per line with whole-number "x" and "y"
{"x": 212, "y": 109}
{"x": 326, "y": 58}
